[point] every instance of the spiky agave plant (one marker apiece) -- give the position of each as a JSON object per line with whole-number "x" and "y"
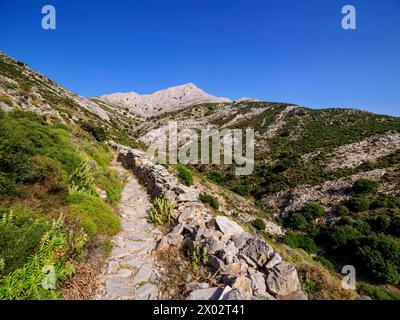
{"x": 161, "y": 210}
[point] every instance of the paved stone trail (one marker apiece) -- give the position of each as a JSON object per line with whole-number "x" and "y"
{"x": 130, "y": 271}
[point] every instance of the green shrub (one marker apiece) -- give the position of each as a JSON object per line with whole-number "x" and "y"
{"x": 217, "y": 177}
{"x": 185, "y": 175}
{"x": 365, "y": 186}
{"x": 199, "y": 257}
{"x": 32, "y": 152}
{"x": 341, "y": 237}
{"x": 99, "y": 133}
{"x": 161, "y": 210}
{"x": 379, "y": 256}
{"x": 92, "y": 214}
{"x": 7, "y": 100}
{"x": 312, "y": 211}
{"x": 381, "y": 223}
{"x": 55, "y": 254}
{"x": 101, "y": 153}
{"x": 211, "y": 200}
{"x": 297, "y": 221}
{"x": 359, "y": 204}
{"x": 20, "y": 233}
{"x": 111, "y": 182}
{"x": 259, "y": 224}
{"x": 242, "y": 190}
{"x": 342, "y": 211}
{"x": 295, "y": 240}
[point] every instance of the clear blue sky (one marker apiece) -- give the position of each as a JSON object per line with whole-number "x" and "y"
{"x": 275, "y": 50}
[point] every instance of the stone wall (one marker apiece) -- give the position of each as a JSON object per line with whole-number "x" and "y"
{"x": 247, "y": 266}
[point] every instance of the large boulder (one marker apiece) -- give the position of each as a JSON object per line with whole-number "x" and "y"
{"x": 258, "y": 251}
{"x": 228, "y": 226}
{"x": 282, "y": 280}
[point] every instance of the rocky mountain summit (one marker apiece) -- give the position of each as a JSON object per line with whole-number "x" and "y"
{"x": 162, "y": 101}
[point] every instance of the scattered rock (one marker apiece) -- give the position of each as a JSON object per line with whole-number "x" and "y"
{"x": 276, "y": 258}
{"x": 283, "y": 280}
{"x": 205, "y": 294}
{"x": 215, "y": 262}
{"x": 228, "y": 226}
{"x": 244, "y": 283}
{"x": 258, "y": 251}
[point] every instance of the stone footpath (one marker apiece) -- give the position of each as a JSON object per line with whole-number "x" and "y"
{"x": 129, "y": 272}
{"x": 246, "y": 267}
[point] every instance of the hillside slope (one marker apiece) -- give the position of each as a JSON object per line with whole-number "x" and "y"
{"x": 324, "y": 192}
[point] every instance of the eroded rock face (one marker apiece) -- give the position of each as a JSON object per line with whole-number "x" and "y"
{"x": 248, "y": 267}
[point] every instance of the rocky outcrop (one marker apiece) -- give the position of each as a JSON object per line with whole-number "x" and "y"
{"x": 247, "y": 267}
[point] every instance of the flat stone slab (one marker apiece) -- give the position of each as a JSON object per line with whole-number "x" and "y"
{"x": 228, "y": 226}
{"x": 144, "y": 274}
{"x": 147, "y": 291}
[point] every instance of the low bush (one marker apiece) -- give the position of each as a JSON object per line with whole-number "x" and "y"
{"x": 53, "y": 263}
{"x": 379, "y": 256}
{"x": 7, "y": 100}
{"x": 259, "y": 224}
{"x": 20, "y": 233}
{"x": 359, "y": 203}
{"x": 342, "y": 211}
{"x": 99, "y": 133}
{"x": 297, "y": 221}
{"x": 312, "y": 211}
{"x": 92, "y": 214}
{"x": 210, "y": 200}
{"x": 242, "y": 190}
{"x": 341, "y": 237}
{"x": 365, "y": 186}
{"x": 295, "y": 240}
{"x": 381, "y": 223}
{"x": 185, "y": 175}
{"x": 111, "y": 182}
{"x": 82, "y": 179}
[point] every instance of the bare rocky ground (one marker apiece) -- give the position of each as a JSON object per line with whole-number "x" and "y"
{"x": 130, "y": 271}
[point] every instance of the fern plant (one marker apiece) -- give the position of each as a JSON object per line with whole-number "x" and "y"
{"x": 57, "y": 249}
{"x": 82, "y": 180}
{"x": 161, "y": 210}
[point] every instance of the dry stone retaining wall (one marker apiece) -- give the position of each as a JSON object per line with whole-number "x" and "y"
{"x": 247, "y": 266}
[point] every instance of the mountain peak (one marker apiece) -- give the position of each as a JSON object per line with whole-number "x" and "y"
{"x": 162, "y": 101}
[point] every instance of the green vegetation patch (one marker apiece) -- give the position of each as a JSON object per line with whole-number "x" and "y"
{"x": 95, "y": 216}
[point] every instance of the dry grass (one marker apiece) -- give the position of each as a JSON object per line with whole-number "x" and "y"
{"x": 82, "y": 285}
{"x": 177, "y": 269}
{"x": 320, "y": 284}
